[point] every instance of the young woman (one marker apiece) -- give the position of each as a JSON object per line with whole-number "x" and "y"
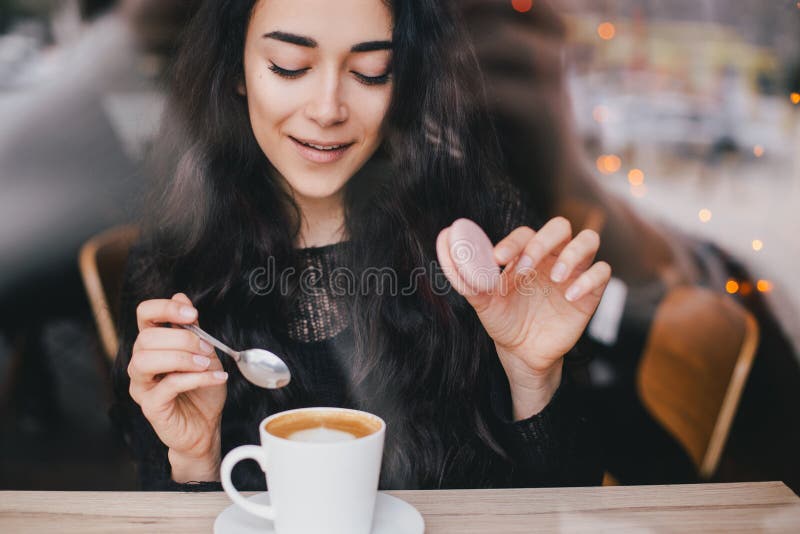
{"x": 317, "y": 154}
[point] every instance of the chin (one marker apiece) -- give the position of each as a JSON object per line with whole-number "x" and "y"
{"x": 317, "y": 189}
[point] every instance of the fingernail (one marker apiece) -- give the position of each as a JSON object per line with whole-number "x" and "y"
{"x": 188, "y": 312}
{"x": 503, "y": 254}
{"x": 205, "y": 347}
{"x": 572, "y": 293}
{"x": 559, "y": 272}
{"x": 220, "y": 375}
{"x": 202, "y": 361}
{"x": 524, "y": 263}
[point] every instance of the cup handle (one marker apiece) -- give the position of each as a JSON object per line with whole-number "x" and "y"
{"x": 245, "y": 452}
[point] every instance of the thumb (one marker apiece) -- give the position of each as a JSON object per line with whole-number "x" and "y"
{"x": 183, "y": 299}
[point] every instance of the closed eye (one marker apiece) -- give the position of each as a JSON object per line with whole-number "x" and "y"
{"x": 286, "y": 73}
{"x": 373, "y": 80}
{"x": 367, "y": 80}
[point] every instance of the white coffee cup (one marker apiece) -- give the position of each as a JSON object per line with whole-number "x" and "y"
{"x": 315, "y": 485}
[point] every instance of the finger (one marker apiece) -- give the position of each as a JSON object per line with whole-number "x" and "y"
{"x": 592, "y": 281}
{"x": 174, "y": 384}
{"x": 137, "y": 391}
{"x": 550, "y": 239}
{"x": 576, "y": 256}
{"x": 163, "y": 338}
{"x": 147, "y": 364}
{"x": 448, "y": 265}
{"x": 513, "y": 244}
{"x": 152, "y": 312}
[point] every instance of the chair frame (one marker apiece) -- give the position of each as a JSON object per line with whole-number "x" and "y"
{"x": 709, "y": 459}
{"x": 744, "y": 362}
{"x": 93, "y": 282}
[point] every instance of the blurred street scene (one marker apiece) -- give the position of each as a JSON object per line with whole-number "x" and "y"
{"x": 690, "y": 110}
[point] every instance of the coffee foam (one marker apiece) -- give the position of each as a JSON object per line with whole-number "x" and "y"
{"x": 321, "y": 435}
{"x": 322, "y": 426}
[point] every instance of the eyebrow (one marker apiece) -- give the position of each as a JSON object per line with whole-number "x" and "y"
{"x": 308, "y": 42}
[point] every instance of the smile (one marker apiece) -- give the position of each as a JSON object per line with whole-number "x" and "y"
{"x": 322, "y": 152}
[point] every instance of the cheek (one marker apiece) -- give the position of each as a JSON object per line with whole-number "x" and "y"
{"x": 269, "y": 109}
{"x": 372, "y": 108}
{"x": 269, "y": 103}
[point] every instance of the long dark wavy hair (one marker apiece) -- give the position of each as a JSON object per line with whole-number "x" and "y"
{"x": 421, "y": 360}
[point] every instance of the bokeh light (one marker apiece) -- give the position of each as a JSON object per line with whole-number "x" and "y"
{"x": 745, "y": 288}
{"x": 613, "y": 163}
{"x": 757, "y": 244}
{"x": 704, "y": 215}
{"x": 795, "y": 98}
{"x": 758, "y": 150}
{"x": 606, "y": 31}
{"x": 609, "y": 163}
{"x": 732, "y": 286}
{"x": 764, "y": 286}
{"x": 522, "y": 5}
{"x": 636, "y": 177}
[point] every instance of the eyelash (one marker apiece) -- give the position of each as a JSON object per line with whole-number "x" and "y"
{"x": 366, "y": 80}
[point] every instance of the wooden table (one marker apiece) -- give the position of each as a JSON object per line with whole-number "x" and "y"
{"x": 745, "y": 507}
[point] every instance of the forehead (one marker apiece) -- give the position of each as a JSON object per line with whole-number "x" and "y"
{"x": 332, "y": 23}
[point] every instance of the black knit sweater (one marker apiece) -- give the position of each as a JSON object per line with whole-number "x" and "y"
{"x": 552, "y": 448}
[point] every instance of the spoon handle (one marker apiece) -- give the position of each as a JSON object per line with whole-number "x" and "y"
{"x": 211, "y": 339}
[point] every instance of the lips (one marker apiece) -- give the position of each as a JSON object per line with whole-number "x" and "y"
{"x": 319, "y": 145}
{"x": 317, "y": 152}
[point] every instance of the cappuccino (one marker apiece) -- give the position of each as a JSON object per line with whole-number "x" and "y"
{"x": 323, "y": 426}
{"x": 321, "y": 435}
{"x": 322, "y": 467}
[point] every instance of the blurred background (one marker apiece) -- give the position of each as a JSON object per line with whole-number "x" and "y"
{"x": 670, "y": 126}
{"x": 690, "y": 111}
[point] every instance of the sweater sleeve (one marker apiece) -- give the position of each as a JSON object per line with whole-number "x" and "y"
{"x": 554, "y": 447}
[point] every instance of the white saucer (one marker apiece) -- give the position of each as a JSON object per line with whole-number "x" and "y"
{"x": 392, "y": 516}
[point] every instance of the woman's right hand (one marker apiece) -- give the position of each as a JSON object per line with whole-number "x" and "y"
{"x": 177, "y": 380}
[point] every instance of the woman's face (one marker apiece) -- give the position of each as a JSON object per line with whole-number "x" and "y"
{"x": 316, "y": 72}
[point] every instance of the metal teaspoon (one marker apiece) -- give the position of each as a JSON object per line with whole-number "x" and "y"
{"x": 259, "y": 366}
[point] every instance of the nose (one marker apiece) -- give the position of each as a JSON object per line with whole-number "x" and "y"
{"x": 327, "y": 107}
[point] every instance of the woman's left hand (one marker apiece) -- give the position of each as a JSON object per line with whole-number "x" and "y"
{"x": 545, "y": 297}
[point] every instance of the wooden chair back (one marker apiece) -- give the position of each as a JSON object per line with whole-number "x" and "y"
{"x": 694, "y": 367}
{"x": 102, "y": 264}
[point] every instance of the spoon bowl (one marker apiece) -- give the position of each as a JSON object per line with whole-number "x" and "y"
{"x": 263, "y": 368}
{"x": 260, "y": 367}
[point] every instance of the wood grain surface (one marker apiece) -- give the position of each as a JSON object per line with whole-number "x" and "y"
{"x": 742, "y": 507}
